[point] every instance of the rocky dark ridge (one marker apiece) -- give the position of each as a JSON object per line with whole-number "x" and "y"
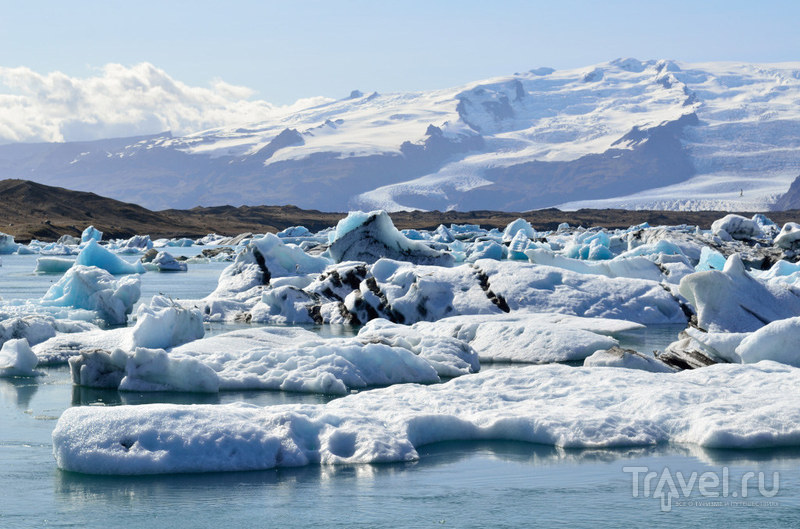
{"x": 29, "y": 210}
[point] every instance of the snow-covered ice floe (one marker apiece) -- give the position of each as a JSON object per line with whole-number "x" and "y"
{"x": 530, "y": 338}
{"x": 722, "y": 406}
{"x": 280, "y": 358}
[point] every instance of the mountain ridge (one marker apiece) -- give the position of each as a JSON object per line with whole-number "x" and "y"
{"x": 29, "y": 210}
{"x": 623, "y": 134}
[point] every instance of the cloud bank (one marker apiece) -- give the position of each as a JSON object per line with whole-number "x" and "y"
{"x": 121, "y": 101}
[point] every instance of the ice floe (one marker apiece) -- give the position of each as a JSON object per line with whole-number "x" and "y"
{"x": 722, "y": 406}
{"x": 93, "y": 254}
{"x": 284, "y": 358}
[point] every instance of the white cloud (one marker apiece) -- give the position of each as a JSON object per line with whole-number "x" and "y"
{"x": 121, "y": 101}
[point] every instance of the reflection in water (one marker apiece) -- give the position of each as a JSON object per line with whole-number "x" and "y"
{"x": 19, "y": 389}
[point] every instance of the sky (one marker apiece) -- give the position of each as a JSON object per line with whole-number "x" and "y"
{"x": 244, "y": 57}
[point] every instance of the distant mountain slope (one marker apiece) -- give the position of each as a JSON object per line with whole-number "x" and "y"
{"x": 29, "y": 210}
{"x": 628, "y": 133}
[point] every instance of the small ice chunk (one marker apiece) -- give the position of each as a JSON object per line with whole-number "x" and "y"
{"x": 53, "y": 265}
{"x": 91, "y": 234}
{"x": 17, "y": 359}
{"x": 165, "y": 324}
{"x": 628, "y": 359}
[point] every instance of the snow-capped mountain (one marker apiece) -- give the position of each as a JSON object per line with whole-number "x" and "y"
{"x": 631, "y": 134}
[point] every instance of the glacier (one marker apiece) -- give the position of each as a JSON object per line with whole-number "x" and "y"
{"x": 637, "y": 134}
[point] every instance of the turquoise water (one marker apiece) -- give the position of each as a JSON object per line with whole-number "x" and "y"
{"x": 487, "y": 484}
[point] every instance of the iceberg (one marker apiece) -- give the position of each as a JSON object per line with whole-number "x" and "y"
{"x": 516, "y": 227}
{"x": 732, "y": 300}
{"x": 777, "y": 341}
{"x": 92, "y": 288}
{"x": 788, "y": 237}
{"x": 7, "y": 244}
{"x": 165, "y": 262}
{"x": 736, "y": 227}
{"x": 91, "y": 234}
{"x": 722, "y": 406}
{"x": 53, "y": 265}
{"x": 165, "y": 324}
{"x": 371, "y": 236}
{"x": 17, "y": 359}
{"x": 95, "y": 255}
{"x": 291, "y": 359}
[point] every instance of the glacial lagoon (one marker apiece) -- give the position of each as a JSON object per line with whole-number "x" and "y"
{"x": 456, "y": 484}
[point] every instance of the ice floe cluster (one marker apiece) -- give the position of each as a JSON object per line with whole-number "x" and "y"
{"x": 423, "y": 307}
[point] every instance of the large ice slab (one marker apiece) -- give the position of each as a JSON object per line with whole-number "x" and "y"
{"x": 277, "y": 358}
{"x": 405, "y": 293}
{"x": 722, "y": 406}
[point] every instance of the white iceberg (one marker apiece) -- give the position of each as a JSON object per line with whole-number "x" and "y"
{"x": 737, "y": 227}
{"x": 776, "y": 341}
{"x": 142, "y": 370}
{"x": 732, "y": 300}
{"x": 7, "y": 244}
{"x": 789, "y": 236}
{"x": 53, "y": 265}
{"x": 518, "y": 226}
{"x": 722, "y": 406}
{"x": 165, "y": 324}
{"x": 17, "y": 359}
{"x": 165, "y": 262}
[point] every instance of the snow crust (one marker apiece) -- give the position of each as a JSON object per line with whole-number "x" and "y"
{"x": 721, "y": 406}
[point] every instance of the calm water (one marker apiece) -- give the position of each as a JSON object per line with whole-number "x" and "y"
{"x": 495, "y": 484}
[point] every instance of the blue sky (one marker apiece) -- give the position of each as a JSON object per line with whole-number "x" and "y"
{"x": 290, "y": 50}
